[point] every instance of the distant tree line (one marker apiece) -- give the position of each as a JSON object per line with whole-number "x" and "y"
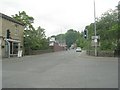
{"x": 69, "y": 37}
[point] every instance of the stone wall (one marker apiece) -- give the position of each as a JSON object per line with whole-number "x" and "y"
{"x": 37, "y": 52}
{"x": 101, "y": 53}
{"x": 58, "y": 48}
{"x": 54, "y": 48}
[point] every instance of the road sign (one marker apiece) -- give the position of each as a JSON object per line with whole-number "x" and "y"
{"x": 95, "y": 37}
{"x": 95, "y": 40}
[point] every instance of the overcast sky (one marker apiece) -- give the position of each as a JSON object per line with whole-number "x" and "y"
{"x": 57, "y": 16}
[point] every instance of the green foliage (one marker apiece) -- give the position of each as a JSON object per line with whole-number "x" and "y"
{"x": 118, "y": 45}
{"x": 33, "y": 39}
{"x": 36, "y": 39}
{"x": 71, "y": 36}
{"x": 79, "y": 40}
{"x": 106, "y": 45}
{"x": 25, "y": 19}
{"x": 107, "y": 28}
{"x": 60, "y": 38}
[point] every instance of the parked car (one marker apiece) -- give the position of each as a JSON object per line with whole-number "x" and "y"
{"x": 78, "y": 49}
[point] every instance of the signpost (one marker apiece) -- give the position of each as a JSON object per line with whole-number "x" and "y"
{"x": 95, "y": 41}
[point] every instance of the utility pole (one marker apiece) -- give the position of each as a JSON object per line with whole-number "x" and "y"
{"x": 118, "y": 46}
{"x": 95, "y": 40}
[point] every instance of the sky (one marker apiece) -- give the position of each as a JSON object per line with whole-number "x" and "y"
{"x": 58, "y": 16}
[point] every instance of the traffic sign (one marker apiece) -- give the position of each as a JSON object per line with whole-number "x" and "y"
{"x": 95, "y": 37}
{"x": 95, "y": 40}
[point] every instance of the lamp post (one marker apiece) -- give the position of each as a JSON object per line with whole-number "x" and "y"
{"x": 95, "y": 40}
{"x": 118, "y": 46}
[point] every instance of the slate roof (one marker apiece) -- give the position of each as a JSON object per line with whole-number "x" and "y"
{"x": 10, "y": 19}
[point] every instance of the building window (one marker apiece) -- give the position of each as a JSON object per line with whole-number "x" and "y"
{"x": 16, "y": 30}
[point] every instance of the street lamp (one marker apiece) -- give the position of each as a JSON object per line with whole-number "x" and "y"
{"x": 95, "y": 40}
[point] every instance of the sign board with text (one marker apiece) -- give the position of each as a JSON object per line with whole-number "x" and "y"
{"x": 95, "y": 37}
{"x": 95, "y": 43}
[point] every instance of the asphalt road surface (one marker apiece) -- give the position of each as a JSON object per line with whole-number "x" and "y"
{"x": 65, "y": 69}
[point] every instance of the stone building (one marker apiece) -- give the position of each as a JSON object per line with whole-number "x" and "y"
{"x": 11, "y": 36}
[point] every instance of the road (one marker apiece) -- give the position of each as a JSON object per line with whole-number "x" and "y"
{"x": 65, "y": 69}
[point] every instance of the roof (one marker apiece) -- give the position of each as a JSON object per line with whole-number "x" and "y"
{"x": 10, "y": 19}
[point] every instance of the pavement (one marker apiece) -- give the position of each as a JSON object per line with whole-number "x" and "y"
{"x": 65, "y": 69}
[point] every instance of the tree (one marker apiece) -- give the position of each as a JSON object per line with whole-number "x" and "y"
{"x": 107, "y": 27}
{"x": 25, "y": 19}
{"x": 118, "y": 42}
{"x": 81, "y": 41}
{"x": 34, "y": 39}
{"x": 60, "y": 38}
{"x": 71, "y": 36}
